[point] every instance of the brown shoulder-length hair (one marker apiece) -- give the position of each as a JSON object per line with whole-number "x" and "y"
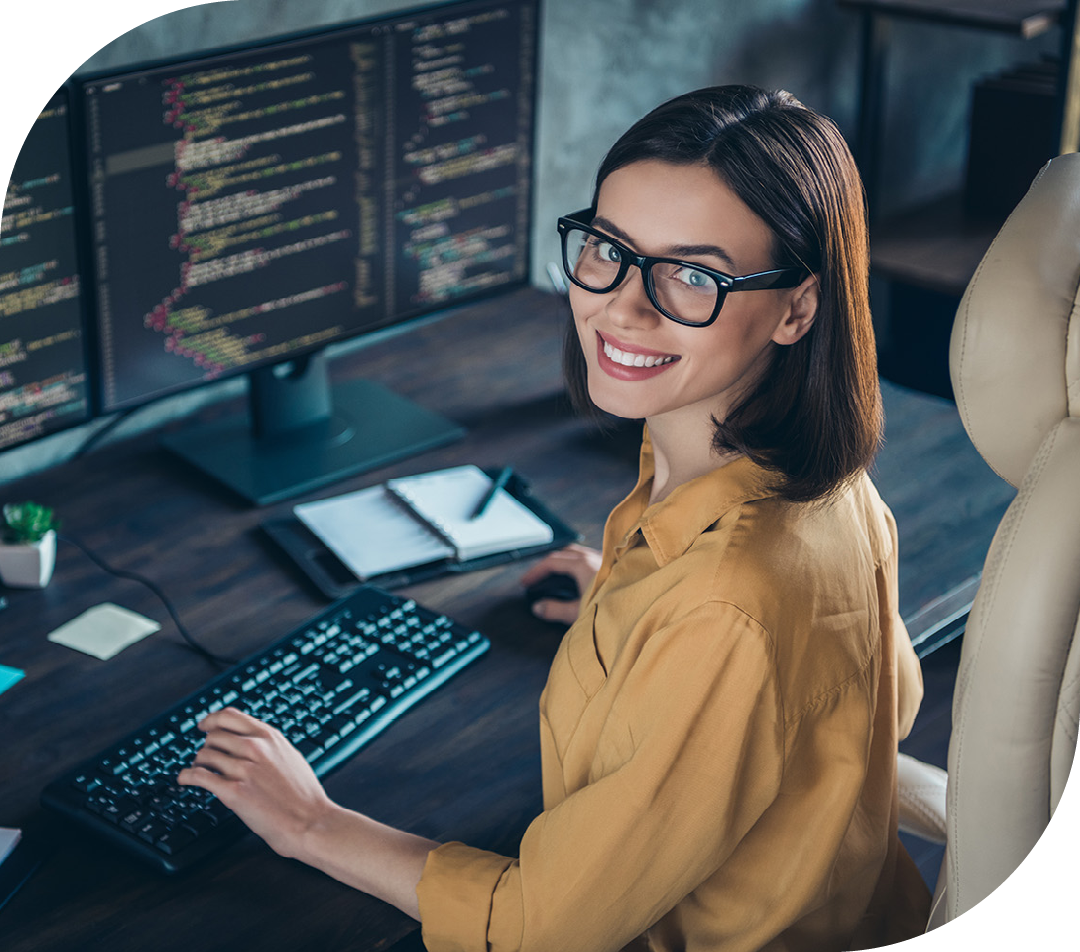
{"x": 814, "y": 418}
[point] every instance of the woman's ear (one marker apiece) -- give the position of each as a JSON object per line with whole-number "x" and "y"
{"x": 802, "y": 310}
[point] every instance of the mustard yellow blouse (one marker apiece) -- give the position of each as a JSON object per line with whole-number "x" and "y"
{"x": 719, "y": 734}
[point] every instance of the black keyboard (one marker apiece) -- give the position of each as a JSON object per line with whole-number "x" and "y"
{"x": 330, "y": 687}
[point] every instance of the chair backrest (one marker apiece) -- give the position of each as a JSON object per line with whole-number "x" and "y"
{"x": 1015, "y": 364}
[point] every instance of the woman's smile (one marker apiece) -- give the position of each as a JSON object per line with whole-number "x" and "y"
{"x": 628, "y": 362}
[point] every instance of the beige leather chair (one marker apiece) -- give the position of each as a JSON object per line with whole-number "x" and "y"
{"x": 1015, "y": 366}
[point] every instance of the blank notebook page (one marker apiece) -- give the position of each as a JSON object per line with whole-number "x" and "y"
{"x": 447, "y": 499}
{"x": 371, "y": 532}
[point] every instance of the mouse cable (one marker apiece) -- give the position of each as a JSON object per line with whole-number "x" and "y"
{"x": 192, "y": 643}
{"x": 101, "y": 432}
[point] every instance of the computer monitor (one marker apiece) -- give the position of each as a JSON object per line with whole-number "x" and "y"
{"x": 253, "y": 206}
{"x": 43, "y": 368}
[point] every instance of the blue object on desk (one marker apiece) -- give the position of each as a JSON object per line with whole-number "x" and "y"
{"x": 8, "y": 676}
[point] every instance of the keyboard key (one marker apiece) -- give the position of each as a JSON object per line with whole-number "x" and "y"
{"x": 201, "y": 822}
{"x": 86, "y": 782}
{"x": 309, "y": 750}
{"x": 133, "y": 819}
{"x": 173, "y": 841}
{"x": 151, "y": 830}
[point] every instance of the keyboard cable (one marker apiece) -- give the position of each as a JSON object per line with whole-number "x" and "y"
{"x": 191, "y": 642}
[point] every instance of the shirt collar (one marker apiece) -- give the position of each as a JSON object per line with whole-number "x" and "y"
{"x": 671, "y": 526}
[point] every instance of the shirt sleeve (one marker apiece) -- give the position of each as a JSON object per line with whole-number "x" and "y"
{"x": 690, "y": 758}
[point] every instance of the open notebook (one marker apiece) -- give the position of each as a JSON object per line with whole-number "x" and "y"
{"x": 420, "y": 520}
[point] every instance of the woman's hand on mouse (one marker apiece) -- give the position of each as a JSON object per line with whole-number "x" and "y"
{"x": 578, "y": 561}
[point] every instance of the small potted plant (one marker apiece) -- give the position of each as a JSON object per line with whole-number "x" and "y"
{"x": 27, "y": 545}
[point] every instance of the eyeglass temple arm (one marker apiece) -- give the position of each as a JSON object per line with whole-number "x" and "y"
{"x": 778, "y": 278}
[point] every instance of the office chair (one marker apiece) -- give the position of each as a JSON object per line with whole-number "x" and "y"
{"x": 1015, "y": 366}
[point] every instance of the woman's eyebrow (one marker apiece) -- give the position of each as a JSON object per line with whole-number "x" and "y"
{"x": 676, "y": 251}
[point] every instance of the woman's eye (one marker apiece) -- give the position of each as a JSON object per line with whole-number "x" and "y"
{"x": 693, "y": 279}
{"x": 608, "y": 252}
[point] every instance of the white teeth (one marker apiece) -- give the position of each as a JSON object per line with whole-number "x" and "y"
{"x": 634, "y": 360}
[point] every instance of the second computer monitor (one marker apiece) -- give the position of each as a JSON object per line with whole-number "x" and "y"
{"x": 43, "y": 370}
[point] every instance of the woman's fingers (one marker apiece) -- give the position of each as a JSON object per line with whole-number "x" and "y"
{"x": 259, "y": 775}
{"x": 577, "y": 560}
{"x": 234, "y": 740}
{"x": 552, "y": 562}
{"x": 551, "y": 609}
{"x": 231, "y": 719}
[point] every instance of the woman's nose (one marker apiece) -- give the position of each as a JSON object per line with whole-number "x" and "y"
{"x": 629, "y": 303}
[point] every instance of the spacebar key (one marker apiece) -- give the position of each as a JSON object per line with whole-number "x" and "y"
{"x": 355, "y": 698}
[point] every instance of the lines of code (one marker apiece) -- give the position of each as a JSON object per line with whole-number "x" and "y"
{"x": 463, "y": 142}
{"x": 43, "y": 384}
{"x": 261, "y": 204}
{"x": 220, "y": 216}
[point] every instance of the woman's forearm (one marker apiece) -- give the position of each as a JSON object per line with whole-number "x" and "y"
{"x": 368, "y": 855}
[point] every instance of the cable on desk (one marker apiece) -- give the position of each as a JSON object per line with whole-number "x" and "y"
{"x": 192, "y": 643}
{"x": 102, "y": 431}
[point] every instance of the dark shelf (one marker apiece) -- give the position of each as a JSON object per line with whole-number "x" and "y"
{"x": 935, "y": 246}
{"x": 1025, "y": 18}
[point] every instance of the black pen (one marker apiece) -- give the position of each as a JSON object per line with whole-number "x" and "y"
{"x": 496, "y": 484}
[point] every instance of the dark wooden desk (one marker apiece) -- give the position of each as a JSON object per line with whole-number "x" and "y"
{"x": 462, "y": 765}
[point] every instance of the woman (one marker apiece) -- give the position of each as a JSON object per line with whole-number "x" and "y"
{"x": 719, "y": 727}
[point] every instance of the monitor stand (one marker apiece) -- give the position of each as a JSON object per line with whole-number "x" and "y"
{"x": 303, "y": 433}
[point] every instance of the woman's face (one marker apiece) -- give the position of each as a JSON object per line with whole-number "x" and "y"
{"x": 685, "y": 212}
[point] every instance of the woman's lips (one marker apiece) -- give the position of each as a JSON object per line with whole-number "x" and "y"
{"x": 625, "y": 362}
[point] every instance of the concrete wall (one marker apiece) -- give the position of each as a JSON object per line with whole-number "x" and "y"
{"x": 603, "y": 64}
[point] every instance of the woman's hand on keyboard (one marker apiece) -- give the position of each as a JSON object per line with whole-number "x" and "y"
{"x": 261, "y": 777}
{"x": 266, "y": 782}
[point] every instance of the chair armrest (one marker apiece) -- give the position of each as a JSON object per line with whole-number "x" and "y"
{"x": 922, "y": 798}
{"x": 943, "y": 619}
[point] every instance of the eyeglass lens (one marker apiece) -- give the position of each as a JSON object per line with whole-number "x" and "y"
{"x": 677, "y": 289}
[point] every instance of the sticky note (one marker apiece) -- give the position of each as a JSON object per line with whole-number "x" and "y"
{"x": 8, "y": 676}
{"x": 104, "y": 630}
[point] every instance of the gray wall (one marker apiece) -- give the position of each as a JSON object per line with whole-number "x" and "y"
{"x": 606, "y": 62}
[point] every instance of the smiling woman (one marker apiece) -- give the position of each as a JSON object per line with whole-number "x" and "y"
{"x": 709, "y": 350}
{"x": 719, "y": 727}
{"x": 778, "y": 172}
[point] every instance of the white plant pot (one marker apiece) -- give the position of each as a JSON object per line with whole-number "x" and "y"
{"x": 28, "y": 566}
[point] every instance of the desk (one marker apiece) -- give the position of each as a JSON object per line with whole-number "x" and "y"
{"x": 464, "y": 764}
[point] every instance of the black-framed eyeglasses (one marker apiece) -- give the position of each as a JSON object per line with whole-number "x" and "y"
{"x": 683, "y": 291}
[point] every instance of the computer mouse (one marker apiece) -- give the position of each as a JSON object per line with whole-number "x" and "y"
{"x": 557, "y": 585}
